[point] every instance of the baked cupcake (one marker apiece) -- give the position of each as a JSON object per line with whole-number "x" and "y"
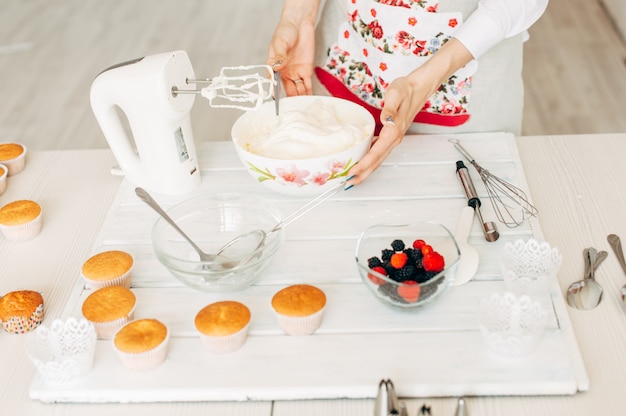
{"x": 299, "y": 308}
{"x": 109, "y": 309}
{"x": 3, "y": 178}
{"x": 13, "y": 156}
{"x": 21, "y": 311}
{"x": 142, "y": 344}
{"x": 223, "y": 326}
{"x": 20, "y": 220}
{"x": 109, "y": 268}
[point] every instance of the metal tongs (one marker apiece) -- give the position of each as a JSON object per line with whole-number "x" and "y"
{"x": 387, "y": 403}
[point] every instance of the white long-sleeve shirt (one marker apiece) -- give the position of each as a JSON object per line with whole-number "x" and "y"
{"x": 495, "y": 20}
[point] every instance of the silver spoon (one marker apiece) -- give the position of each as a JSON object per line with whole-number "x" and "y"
{"x": 587, "y": 293}
{"x": 616, "y": 245}
{"x": 257, "y": 237}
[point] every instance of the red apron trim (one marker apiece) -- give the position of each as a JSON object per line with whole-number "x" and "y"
{"x": 337, "y": 89}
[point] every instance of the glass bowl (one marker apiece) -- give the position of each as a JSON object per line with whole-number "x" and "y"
{"x": 211, "y": 221}
{"x": 401, "y": 275}
{"x": 289, "y": 154}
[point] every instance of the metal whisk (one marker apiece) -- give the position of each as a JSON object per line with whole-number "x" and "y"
{"x": 509, "y": 202}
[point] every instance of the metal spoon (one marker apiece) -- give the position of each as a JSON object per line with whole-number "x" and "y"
{"x": 616, "y": 245}
{"x": 587, "y": 293}
{"x": 256, "y": 237}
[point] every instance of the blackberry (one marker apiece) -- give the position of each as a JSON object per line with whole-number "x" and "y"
{"x": 414, "y": 255}
{"x": 397, "y": 245}
{"x": 408, "y": 272}
{"x": 386, "y": 254}
{"x": 374, "y": 262}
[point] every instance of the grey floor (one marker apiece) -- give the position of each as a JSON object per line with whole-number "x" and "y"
{"x": 50, "y": 51}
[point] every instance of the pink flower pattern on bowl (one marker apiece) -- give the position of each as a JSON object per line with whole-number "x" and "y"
{"x": 290, "y": 174}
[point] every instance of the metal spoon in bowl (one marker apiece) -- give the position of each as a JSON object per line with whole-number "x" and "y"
{"x": 587, "y": 293}
{"x": 256, "y": 237}
{"x": 616, "y": 245}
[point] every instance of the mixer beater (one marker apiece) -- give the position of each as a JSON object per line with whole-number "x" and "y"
{"x": 241, "y": 87}
{"x": 509, "y": 202}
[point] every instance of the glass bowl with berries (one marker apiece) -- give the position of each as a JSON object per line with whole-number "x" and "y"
{"x": 407, "y": 266}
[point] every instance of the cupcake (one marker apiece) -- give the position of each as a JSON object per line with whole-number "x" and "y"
{"x": 299, "y": 309}
{"x": 3, "y": 178}
{"x": 21, "y": 311}
{"x": 223, "y": 326}
{"x": 109, "y": 309}
{"x": 109, "y": 268}
{"x": 20, "y": 220}
{"x": 142, "y": 344}
{"x": 13, "y": 156}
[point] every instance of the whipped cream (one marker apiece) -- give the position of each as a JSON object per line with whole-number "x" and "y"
{"x": 301, "y": 134}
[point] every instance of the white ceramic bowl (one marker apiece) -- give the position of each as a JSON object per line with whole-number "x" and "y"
{"x": 303, "y": 160}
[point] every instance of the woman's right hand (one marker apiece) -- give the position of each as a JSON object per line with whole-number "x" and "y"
{"x": 292, "y": 48}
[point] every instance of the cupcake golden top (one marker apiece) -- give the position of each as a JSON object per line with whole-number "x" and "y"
{"x": 108, "y": 304}
{"x": 107, "y": 265}
{"x": 21, "y": 303}
{"x": 140, "y": 336}
{"x": 299, "y": 300}
{"x": 19, "y": 212}
{"x": 222, "y": 318}
{"x": 2, "y": 171}
{"x": 10, "y": 151}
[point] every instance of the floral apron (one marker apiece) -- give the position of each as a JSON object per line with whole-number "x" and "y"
{"x": 386, "y": 39}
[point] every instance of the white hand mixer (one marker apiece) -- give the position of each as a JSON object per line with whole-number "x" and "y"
{"x": 152, "y": 92}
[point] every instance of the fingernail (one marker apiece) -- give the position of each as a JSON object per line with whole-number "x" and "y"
{"x": 389, "y": 120}
{"x": 348, "y": 187}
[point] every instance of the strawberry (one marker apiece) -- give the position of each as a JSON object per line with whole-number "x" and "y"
{"x": 433, "y": 262}
{"x": 418, "y": 244}
{"x": 375, "y": 279}
{"x": 409, "y": 291}
{"x": 426, "y": 249}
{"x": 398, "y": 260}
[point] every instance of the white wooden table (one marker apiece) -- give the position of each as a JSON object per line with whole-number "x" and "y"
{"x": 571, "y": 183}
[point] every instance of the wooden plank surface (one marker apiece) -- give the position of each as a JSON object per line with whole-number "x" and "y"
{"x": 358, "y": 342}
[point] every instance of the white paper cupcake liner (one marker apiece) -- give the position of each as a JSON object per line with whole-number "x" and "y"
{"x": 147, "y": 360}
{"x": 300, "y": 325}
{"x": 123, "y": 280}
{"x": 226, "y": 343}
{"x": 106, "y": 330}
{"x": 3, "y": 178}
{"x": 23, "y": 232}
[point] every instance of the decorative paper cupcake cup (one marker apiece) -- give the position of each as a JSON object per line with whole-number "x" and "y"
{"x": 16, "y": 165}
{"x": 300, "y": 325}
{"x": 21, "y": 325}
{"x": 4, "y": 172}
{"x": 123, "y": 280}
{"x": 227, "y": 343}
{"x": 106, "y": 330}
{"x": 147, "y": 360}
{"x": 23, "y": 232}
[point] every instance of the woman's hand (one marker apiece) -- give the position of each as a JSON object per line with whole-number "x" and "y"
{"x": 292, "y": 48}
{"x": 404, "y": 98}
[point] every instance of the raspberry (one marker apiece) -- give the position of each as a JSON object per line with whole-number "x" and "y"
{"x": 375, "y": 279}
{"x": 397, "y": 245}
{"x": 433, "y": 262}
{"x": 398, "y": 260}
{"x": 409, "y": 291}
{"x": 418, "y": 244}
{"x": 426, "y": 249}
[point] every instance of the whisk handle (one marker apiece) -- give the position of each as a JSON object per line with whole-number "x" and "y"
{"x": 468, "y": 186}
